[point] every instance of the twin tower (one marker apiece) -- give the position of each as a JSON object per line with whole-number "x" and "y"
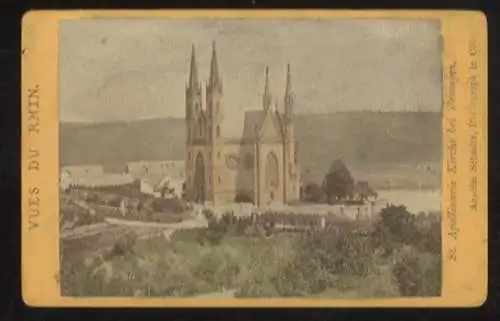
{"x": 260, "y": 167}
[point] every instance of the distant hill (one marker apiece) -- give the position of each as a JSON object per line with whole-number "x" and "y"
{"x": 400, "y": 146}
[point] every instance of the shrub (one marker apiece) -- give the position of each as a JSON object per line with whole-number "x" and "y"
{"x": 348, "y": 250}
{"x": 322, "y": 257}
{"x": 179, "y": 284}
{"x": 396, "y": 225}
{"x": 355, "y": 254}
{"x": 429, "y": 229}
{"x": 86, "y": 218}
{"x": 166, "y": 205}
{"x": 417, "y": 273}
{"x": 124, "y": 244}
{"x": 301, "y": 278}
{"x": 208, "y": 214}
{"x": 313, "y": 193}
{"x": 243, "y": 198}
{"x": 257, "y": 288}
{"x": 217, "y": 268}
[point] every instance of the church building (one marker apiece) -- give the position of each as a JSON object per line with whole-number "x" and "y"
{"x": 260, "y": 167}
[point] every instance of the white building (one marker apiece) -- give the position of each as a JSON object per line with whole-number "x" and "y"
{"x": 161, "y": 186}
{"x": 174, "y": 169}
{"x": 158, "y": 177}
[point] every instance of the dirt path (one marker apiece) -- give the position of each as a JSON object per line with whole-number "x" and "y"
{"x": 86, "y": 230}
{"x": 198, "y": 223}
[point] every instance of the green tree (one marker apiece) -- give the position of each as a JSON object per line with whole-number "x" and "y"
{"x": 338, "y": 183}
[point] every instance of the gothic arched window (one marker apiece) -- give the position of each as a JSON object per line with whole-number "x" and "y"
{"x": 271, "y": 171}
{"x": 218, "y": 131}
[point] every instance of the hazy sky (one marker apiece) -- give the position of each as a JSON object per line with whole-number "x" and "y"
{"x": 125, "y": 69}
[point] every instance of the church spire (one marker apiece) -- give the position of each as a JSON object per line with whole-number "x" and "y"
{"x": 288, "y": 91}
{"x": 214, "y": 80}
{"x": 266, "y": 97}
{"x": 289, "y": 96}
{"x": 266, "y": 87}
{"x": 193, "y": 72}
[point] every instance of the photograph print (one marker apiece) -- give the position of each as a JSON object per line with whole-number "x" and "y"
{"x": 250, "y": 158}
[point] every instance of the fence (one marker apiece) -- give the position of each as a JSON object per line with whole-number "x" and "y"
{"x": 280, "y": 221}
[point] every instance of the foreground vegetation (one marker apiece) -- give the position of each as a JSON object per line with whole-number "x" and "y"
{"x": 399, "y": 255}
{"x": 85, "y": 206}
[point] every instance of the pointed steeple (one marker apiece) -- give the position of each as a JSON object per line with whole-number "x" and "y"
{"x": 266, "y": 86}
{"x": 288, "y": 81}
{"x": 289, "y": 96}
{"x": 193, "y": 72}
{"x": 214, "y": 80}
{"x": 266, "y": 97}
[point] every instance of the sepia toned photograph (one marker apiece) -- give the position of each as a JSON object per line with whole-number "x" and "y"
{"x": 247, "y": 158}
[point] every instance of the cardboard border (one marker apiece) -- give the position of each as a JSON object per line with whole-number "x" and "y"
{"x": 464, "y": 229}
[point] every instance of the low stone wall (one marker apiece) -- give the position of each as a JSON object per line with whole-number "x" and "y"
{"x": 353, "y": 212}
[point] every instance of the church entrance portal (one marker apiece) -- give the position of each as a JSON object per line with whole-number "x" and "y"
{"x": 199, "y": 179}
{"x": 271, "y": 177}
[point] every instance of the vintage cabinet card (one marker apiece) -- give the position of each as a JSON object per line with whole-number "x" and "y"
{"x": 254, "y": 158}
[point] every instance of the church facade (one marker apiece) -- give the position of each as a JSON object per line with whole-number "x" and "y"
{"x": 260, "y": 167}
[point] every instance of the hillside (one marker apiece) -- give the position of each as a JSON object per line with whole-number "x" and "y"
{"x": 377, "y": 146}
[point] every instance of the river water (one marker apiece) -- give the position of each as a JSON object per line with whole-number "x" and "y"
{"x": 415, "y": 200}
